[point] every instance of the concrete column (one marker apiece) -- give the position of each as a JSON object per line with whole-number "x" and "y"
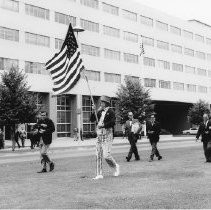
{"x": 53, "y": 112}
{"x": 79, "y": 114}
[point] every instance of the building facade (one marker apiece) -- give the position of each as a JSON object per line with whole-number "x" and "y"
{"x": 176, "y": 65}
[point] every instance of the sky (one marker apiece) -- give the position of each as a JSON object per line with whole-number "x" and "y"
{"x": 185, "y": 9}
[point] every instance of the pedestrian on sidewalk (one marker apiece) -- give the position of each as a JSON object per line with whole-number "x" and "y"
{"x": 22, "y": 135}
{"x": 205, "y": 132}
{"x": 106, "y": 117}
{"x": 132, "y": 130}
{"x": 45, "y": 128}
{"x": 16, "y": 140}
{"x": 1, "y": 139}
{"x": 153, "y": 134}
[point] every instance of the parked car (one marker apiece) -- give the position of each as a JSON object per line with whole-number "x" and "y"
{"x": 192, "y": 131}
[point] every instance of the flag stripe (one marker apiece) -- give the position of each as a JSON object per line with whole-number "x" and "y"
{"x": 64, "y": 73}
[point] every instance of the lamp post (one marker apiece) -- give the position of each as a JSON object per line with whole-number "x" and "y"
{"x": 78, "y": 30}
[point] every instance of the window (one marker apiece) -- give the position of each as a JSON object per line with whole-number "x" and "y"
{"x": 133, "y": 78}
{"x": 149, "y": 82}
{"x": 35, "y": 68}
{"x": 202, "y": 72}
{"x": 147, "y": 41}
{"x": 58, "y": 43}
{"x": 130, "y": 36}
{"x": 162, "y": 26}
{"x": 110, "y": 9}
{"x": 37, "y": 11}
{"x": 208, "y": 56}
{"x": 176, "y": 48}
{"x": 110, "y": 31}
{"x": 178, "y": 86}
{"x": 87, "y": 111}
{"x": 10, "y": 5}
{"x": 189, "y": 52}
{"x": 90, "y": 26}
{"x": 200, "y": 55}
{"x": 63, "y": 116}
{"x": 129, "y": 15}
{"x": 175, "y": 30}
{"x": 149, "y": 61}
{"x": 9, "y": 34}
{"x": 65, "y": 19}
{"x": 199, "y": 38}
{"x": 202, "y": 89}
{"x": 177, "y": 67}
{"x": 37, "y": 39}
{"x": 191, "y": 88}
{"x": 187, "y": 34}
{"x": 146, "y": 21}
{"x": 163, "y": 64}
{"x": 111, "y": 54}
{"x": 90, "y": 50}
{"x": 7, "y": 63}
{"x": 114, "y": 78}
{"x": 130, "y": 58}
{"x": 190, "y": 69}
{"x": 163, "y": 45}
{"x": 208, "y": 41}
{"x": 164, "y": 84}
{"x": 90, "y": 3}
{"x": 93, "y": 75}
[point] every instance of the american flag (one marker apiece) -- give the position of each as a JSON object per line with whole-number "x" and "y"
{"x": 65, "y": 67}
{"x": 142, "y": 49}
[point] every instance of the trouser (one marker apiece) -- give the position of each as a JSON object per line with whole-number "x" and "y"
{"x": 44, "y": 149}
{"x": 23, "y": 141}
{"x": 207, "y": 150}
{"x": 154, "y": 150}
{"x": 133, "y": 148}
{"x": 14, "y": 141}
{"x": 103, "y": 149}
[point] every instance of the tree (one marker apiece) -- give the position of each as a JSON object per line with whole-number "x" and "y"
{"x": 131, "y": 96}
{"x": 195, "y": 113}
{"x": 17, "y": 105}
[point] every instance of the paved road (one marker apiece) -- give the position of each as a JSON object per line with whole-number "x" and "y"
{"x": 57, "y": 153}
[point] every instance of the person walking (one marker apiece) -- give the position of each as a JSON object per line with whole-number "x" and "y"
{"x": 16, "y": 140}
{"x": 22, "y": 135}
{"x": 132, "y": 130}
{"x": 153, "y": 131}
{"x": 106, "y": 117}
{"x": 1, "y": 139}
{"x": 45, "y": 127}
{"x": 205, "y": 132}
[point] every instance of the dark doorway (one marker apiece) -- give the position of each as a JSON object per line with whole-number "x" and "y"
{"x": 172, "y": 115}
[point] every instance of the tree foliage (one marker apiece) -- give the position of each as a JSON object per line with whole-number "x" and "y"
{"x": 131, "y": 96}
{"x": 17, "y": 105}
{"x": 195, "y": 113}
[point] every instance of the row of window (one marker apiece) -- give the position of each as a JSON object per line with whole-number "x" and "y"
{"x": 152, "y": 83}
{"x": 36, "y": 39}
{"x": 66, "y": 19}
{"x": 116, "y": 78}
{"x": 176, "y": 67}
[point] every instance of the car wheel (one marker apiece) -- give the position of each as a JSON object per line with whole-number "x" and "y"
{"x": 188, "y": 133}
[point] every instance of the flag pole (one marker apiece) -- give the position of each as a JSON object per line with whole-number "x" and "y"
{"x": 87, "y": 81}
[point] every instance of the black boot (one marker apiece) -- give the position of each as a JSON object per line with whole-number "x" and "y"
{"x": 42, "y": 171}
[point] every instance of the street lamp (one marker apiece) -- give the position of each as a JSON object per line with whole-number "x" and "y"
{"x": 78, "y": 29}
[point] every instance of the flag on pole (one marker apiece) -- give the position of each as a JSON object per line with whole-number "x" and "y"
{"x": 142, "y": 49}
{"x": 65, "y": 67}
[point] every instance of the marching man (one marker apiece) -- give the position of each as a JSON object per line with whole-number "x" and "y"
{"x": 106, "y": 122}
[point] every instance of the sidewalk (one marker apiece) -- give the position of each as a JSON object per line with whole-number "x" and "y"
{"x": 69, "y": 142}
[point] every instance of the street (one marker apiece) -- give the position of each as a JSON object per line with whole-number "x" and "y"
{"x": 180, "y": 180}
